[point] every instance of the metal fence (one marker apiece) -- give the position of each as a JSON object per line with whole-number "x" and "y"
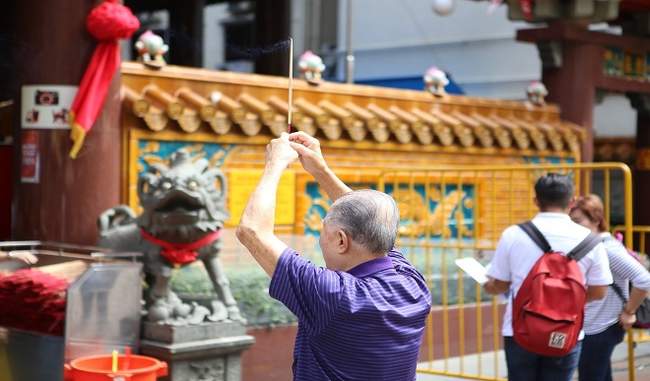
{"x": 460, "y": 211}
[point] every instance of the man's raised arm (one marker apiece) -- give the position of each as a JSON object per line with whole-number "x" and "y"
{"x": 255, "y": 230}
{"x": 312, "y": 160}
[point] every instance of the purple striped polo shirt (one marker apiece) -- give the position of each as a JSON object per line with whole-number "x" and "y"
{"x": 363, "y": 324}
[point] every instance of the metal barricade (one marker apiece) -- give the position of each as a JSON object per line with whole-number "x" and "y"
{"x": 459, "y": 211}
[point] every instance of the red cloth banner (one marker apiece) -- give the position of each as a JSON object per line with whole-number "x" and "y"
{"x": 108, "y": 22}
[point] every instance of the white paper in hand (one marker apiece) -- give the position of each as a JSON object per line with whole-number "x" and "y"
{"x": 473, "y": 268}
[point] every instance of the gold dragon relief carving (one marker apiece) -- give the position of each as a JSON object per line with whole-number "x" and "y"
{"x": 150, "y": 155}
{"x": 313, "y": 218}
{"x": 419, "y": 220}
{"x": 154, "y": 153}
{"x": 416, "y": 219}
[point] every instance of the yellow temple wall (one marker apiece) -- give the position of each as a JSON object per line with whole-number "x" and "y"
{"x": 242, "y": 160}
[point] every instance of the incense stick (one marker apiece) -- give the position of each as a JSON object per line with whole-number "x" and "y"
{"x": 290, "y": 83}
{"x": 114, "y": 362}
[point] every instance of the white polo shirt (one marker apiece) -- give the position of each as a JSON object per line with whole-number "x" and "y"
{"x": 516, "y": 254}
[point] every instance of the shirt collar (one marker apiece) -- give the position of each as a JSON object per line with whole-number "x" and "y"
{"x": 553, "y": 215}
{"x": 372, "y": 266}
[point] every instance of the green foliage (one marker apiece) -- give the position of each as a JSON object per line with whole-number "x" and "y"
{"x": 250, "y": 287}
{"x": 193, "y": 281}
{"x": 251, "y": 290}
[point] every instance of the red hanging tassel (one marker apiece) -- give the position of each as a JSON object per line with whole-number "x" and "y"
{"x": 108, "y": 22}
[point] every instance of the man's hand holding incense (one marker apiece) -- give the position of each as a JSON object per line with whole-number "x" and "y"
{"x": 312, "y": 160}
{"x": 280, "y": 153}
{"x": 308, "y": 148}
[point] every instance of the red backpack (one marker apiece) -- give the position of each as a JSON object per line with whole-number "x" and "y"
{"x": 548, "y": 311}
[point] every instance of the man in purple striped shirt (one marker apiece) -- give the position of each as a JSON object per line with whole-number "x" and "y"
{"x": 362, "y": 317}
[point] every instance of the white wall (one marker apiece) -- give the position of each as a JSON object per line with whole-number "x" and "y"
{"x": 394, "y": 39}
{"x": 614, "y": 116}
{"x": 298, "y": 26}
{"x": 402, "y": 38}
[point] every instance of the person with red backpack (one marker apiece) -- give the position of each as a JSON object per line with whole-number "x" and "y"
{"x": 550, "y": 267}
{"x": 606, "y": 320}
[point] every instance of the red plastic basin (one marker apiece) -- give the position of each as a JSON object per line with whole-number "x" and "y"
{"x": 98, "y": 368}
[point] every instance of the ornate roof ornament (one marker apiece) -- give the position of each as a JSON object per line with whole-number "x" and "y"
{"x": 151, "y": 48}
{"x": 311, "y": 67}
{"x": 536, "y": 92}
{"x": 435, "y": 81}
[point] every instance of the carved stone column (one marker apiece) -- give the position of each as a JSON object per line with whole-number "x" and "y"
{"x": 205, "y": 352}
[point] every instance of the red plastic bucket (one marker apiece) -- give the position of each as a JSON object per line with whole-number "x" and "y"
{"x": 130, "y": 368}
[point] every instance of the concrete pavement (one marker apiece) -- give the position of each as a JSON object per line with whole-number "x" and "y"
{"x": 470, "y": 365}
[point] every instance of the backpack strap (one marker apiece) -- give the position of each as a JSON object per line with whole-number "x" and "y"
{"x": 584, "y": 247}
{"x": 619, "y": 292}
{"x": 529, "y": 228}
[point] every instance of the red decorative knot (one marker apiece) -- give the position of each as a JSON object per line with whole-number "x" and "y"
{"x": 111, "y": 21}
{"x": 181, "y": 253}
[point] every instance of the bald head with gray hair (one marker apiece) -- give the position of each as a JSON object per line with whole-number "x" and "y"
{"x": 369, "y": 217}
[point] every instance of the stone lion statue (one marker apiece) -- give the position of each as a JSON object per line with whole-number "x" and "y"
{"x": 182, "y": 220}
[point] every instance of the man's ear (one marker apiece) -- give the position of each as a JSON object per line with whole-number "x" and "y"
{"x": 572, "y": 203}
{"x": 536, "y": 202}
{"x": 342, "y": 242}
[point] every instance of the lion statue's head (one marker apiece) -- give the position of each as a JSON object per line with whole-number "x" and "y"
{"x": 182, "y": 200}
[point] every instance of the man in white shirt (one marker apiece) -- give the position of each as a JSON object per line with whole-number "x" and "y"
{"x": 515, "y": 256}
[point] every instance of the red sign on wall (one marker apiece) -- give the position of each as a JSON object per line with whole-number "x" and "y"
{"x": 30, "y": 163}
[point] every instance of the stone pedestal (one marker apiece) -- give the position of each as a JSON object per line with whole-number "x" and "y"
{"x": 205, "y": 352}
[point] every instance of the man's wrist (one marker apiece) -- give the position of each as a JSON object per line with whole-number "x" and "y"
{"x": 626, "y": 310}
{"x": 322, "y": 171}
{"x": 276, "y": 165}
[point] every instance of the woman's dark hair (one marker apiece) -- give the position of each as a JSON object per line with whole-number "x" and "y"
{"x": 592, "y": 207}
{"x": 554, "y": 190}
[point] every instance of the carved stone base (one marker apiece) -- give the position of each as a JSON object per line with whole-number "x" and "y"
{"x": 205, "y": 352}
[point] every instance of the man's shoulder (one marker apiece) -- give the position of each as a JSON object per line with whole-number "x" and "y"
{"x": 293, "y": 265}
{"x": 512, "y": 229}
{"x": 512, "y": 232}
{"x": 561, "y": 226}
{"x": 569, "y": 234}
{"x": 563, "y": 230}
